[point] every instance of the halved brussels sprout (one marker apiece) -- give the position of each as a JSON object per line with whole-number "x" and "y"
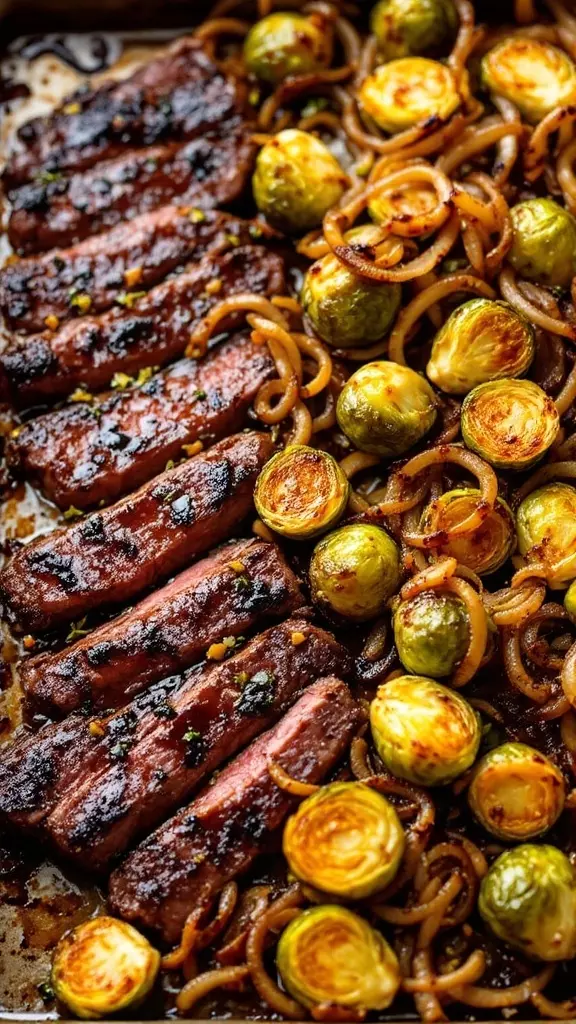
{"x": 431, "y": 632}
{"x": 285, "y": 43}
{"x": 481, "y": 341}
{"x": 301, "y": 492}
{"x": 331, "y": 956}
{"x": 404, "y": 201}
{"x": 354, "y": 571}
{"x": 344, "y": 309}
{"x": 546, "y": 526}
{"x": 486, "y": 548}
{"x": 103, "y": 966}
{"x": 516, "y": 792}
{"x": 423, "y": 731}
{"x": 528, "y": 898}
{"x": 386, "y": 408}
{"x": 404, "y": 27}
{"x": 345, "y": 839}
{"x": 407, "y": 92}
{"x": 510, "y": 423}
{"x": 544, "y": 242}
{"x": 534, "y": 75}
{"x": 570, "y": 602}
{"x": 296, "y": 181}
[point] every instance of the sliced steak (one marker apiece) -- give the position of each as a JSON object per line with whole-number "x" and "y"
{"x": 209, "y": 171}
{"x": 185, "y": 863}
{"x": 153, "y": 330}
{"x": 176, "y": 95}
{"x": 84, "y": 454}
{"x": 115, "y": 554}
{"x": 130, "y": 257}
{"x": 147, "y": 759}
{"x": 224, "y": 595}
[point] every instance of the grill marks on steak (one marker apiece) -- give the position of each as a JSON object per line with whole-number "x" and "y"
{"x": 210, "y": 171}
{"x": 154, "y": 244}
{"x": 166, "y": 632}
{"x": 83, "y": 454}
{"x": 115, "y": 554}
{"x": 154, "y": 330}
{"x": 177, "y": 95}
{"x": 185, "y": 863}
{"x": 150, "y": 756}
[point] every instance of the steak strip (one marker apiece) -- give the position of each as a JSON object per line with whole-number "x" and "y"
{"x": 115, "y": 554}
{"x": 179, "y": 94}
{"x": 154, "y": 329}
{"x": 209, "y": 171}
{"x": 147, "y": 760}
{"x": 130, "y": 257}
{"x": 225, "y": 595}
{"x": 84, "y": 454}
{"x": 186, "y": 862}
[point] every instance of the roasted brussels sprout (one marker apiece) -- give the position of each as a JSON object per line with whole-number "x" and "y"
{"x": 331, "y": 956}
{"x": 354, "y": 571}
{"x": 405, "y": 27}
{"x": 409, "y": 91}
{"x": 570, "y": 602}
{"x": 481, "y": 341}
{"x": 544, "y": 242}
{"x": 510, "y": 423}
{"x": 296, "y": 181}
{"x": 346, "y": 839}
{"x": 103, "y": 966}
{"x": 546, "y": 526}
{"x": 431, "y": 633}
{"x": 423, "y": 731}
{"x": 344, "y": 309}
{"x": 534, "y": 75}
{"x": 528, "y": 898}
{"x": 285, "y": 43}
{"x": 386, "y": 408}
{"x": 301, "y": 492}
{"x": 486, "y": 548}
{"x": 516, "y": 792}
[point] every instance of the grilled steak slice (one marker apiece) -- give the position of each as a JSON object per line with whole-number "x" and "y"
{"x": 185, "y": 863}
{"x": 209, "y": 171}
{"x": 178, "y": 95}
{"x": 151, "y": 755}
{"x": 83, "y": 454}
{"x": 128, "y": 258}
{"x": 119, "y": 552}
{"x": 154, "y": 329}
{"x": 167, "y": 631}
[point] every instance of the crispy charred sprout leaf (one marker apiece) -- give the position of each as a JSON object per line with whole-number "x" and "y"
{"x": 486, "y": 548}
{"x": 510, "y": 423}
{"x": 286, "y": 43}
{"x": 329, "y": 955}
{"x": 481, "y": 341}
{"x": 546, "y": 525}
{"x": 423, "y": 731}
{"x": 528, "y": 898}
{"x": 301, "y": 492}
{"x": 345, "y": 310}
{"x": 296, "y": 181}
{"x": 413, "y": 27}
{"x": 354, "y": 571}
{"x": 544, "y": 242}
{"x": 386, "y": 408}
{"x": 431, "y": 632}
{"x": 516, "y": 792}
{"x": 346, "y": 839}
{"x": 102, "y": 967}
{"x": 533, "y": 74}
{"x": 409, "y": 91}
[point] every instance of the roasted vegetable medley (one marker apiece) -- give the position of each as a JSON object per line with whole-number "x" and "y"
{"x": 376, "y": 283}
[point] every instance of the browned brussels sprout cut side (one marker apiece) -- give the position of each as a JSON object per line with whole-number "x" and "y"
{"x": 532, "y": 74}
{"x": 510, "y": 423}
{"x": 301, "y": 492}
